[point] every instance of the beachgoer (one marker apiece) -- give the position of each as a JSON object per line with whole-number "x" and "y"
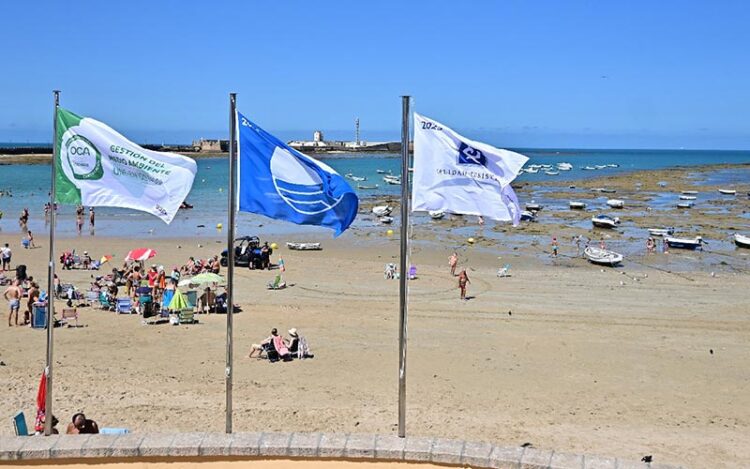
{"x": 79, "y": 218}
{"x": 259, "y": 347}
{"x": 175, "y": 275}
{"x": 463, "y": 279}
{"x": 33, "y": 297}
{"x": 80, "y": 424}
{"x": 265, "y": 257}
{"x": 13, "y": 295}
{"x": 453, "y": 262}
{"x": 554, "y": 247}
{"x": 216, "y": 266}
{"x": 134, "y": 281}
{"x": 92, "y": 217}
{"x": 6, "y": 254}
{"x": 151, "y": 277}
{"x": 601, "y": 244}
{"x": 650, "y": 245}
{"x": 207, "y": 301}
{"x": 86, "y": 260}
{"x": 30, "y": 237}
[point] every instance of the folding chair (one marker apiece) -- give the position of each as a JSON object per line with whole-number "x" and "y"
{"x": 124, "y": 306}
{"x": 69, "y": 314}
{"x": 186, "y": 316}
{"x": 19, "y": 425}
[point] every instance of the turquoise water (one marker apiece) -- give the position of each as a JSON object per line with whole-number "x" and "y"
{"x": 29, "y": 185}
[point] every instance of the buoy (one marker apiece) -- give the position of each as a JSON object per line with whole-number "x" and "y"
{"x": 219, "y": 226}
{"x": 470, "y": 240}
{"x": 389, "y": 232}
{"x": 221, "y": 189}
{"x": 274, "y": 246}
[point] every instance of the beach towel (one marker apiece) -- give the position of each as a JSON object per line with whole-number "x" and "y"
{"x": 280, "y": 346}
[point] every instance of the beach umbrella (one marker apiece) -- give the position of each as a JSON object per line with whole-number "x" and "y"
{"x": 140, "y": 254}
{"x": 207, "y": 277}
{"x": 179, "y": 302}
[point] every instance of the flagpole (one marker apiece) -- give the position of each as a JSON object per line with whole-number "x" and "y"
{"x": 230, "y": 253}
{"x": 51, "y": 276}
{"x": 404, "y": 268}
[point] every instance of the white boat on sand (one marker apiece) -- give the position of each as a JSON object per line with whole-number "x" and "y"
{"x": 533, "y": 206}
{"x": 661, "y": 231}
{"x": 436, "y": 214}
{"x": 684, "y": 243}
{"x": 688, "y": 204}
{"x": 742, "y": 241}
{"x": 616, "y": 203}
{"x": 304, "y": 246}
{"x": 577, "y": 205}
{"x": 602, "y": 256}
{"x": 605, "y": 221}
{"x": 688, "y": 197}
{"x": 690, "y": 192}
{"x": 728, "y": 191}
{"x": 382, "y": 210}
{"x": 528, "y": 216}
{"x": 385, "y": 220}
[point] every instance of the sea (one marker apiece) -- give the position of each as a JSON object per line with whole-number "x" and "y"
{"x": 30, "y": 185}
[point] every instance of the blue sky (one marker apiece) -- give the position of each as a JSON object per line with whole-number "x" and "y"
{"x": 597, "y": 74}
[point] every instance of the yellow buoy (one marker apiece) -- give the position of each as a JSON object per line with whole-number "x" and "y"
{"x": 219, "y": 226}
{"x": 389, "y": 232}
{"x": 470, "y": 240}
{"x": 274, "y": 246}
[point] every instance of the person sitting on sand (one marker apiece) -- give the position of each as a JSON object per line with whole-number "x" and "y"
{"x": 463, "y": 279}
{"x": 273, "y": 338}
{"x": 86, "y": 260}
{"x": 298, "y": 345}
{"x": 453, "y": 262}
{"x": 81, "y": 425}
{"x": 207, "y": 301}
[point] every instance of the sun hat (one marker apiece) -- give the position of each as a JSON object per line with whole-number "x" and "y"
{"x": 293, "y": 332}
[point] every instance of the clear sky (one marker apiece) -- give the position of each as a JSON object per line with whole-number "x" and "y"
{"x": 601, "y": 74}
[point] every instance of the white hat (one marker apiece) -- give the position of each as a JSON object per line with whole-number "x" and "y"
{"x": 85, "y": 252}
{"x": 293, "y": 332}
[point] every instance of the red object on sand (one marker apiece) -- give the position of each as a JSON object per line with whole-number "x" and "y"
{"x": 140, "y": 254}
{"x": 41, "y": 404}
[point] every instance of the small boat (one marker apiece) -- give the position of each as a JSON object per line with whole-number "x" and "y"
{"x": 742, "y": 241}
{"x": 616, "y": 203}
{"x": 531, "y": 170}
{"x": 690, "y": 192}
{"x": 684, "y": 243}
{"x": 661, "y": 231}
{"x": 533, "y": 206}
{"x": 367, "y": 188}
{"x": 552, "y": 173}
{"x": 382, "y": 210}
{"x": 436, "y": 214}
{"x": 608, "y": 191}
{"x": 577, "y": 205}
{"x": 380, "y": 171}
{"x": 602, "y": 256}
{"x": 688, "y": 197}
{"x": 685, "y": 204}
{"x": 528, "y": 216}
{"x": 359, "y": 178}
{"x": 600, "y": 166}
{"x": 728, "y": 191}
{"x": 564, "y": 166}
{"x": 588, "y": 168}
{"x": 304, "y": 246}
{"x": 394, "y": 180}
{"x": 386, "y": 220}
{"x": 613, "y": 165}
{"x": 605, "y": 221}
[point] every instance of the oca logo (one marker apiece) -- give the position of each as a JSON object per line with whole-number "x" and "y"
{"x": 84, "y": 159}
{"x": 469, "y": 155}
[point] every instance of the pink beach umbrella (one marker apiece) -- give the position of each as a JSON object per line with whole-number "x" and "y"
{"x": 140, "y": 254}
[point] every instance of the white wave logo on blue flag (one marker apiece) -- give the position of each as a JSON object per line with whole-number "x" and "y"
{"x": 279, "y": 182}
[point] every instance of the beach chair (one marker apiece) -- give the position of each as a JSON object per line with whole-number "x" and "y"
{"x": 19, "y": 425}
{"x": 124, "y": 306}
{"x": 105, "y": 303}
{"x": 412, "y": 272}
{"x": 277, "y": 284}
{"x": 504, "y": 271}
{"x": 192, "y": 297}
{"x": 68, "y": 315}
{"x": 39, "y": 316}
{"x": 92, "y": 296}
{"x": 186, "y": 316}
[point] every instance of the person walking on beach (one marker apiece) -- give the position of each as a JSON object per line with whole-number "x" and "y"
{"x": 92, "y": 218}
{"x": 79, "y": 218}
{"x": 463, "y": 279}
{"x": 554, "y": 247}
{"x": 453, "y": 262}
{"x": 650, "y": 245}
{"x": 601, "y": 244}
{"x": 12, "y": 295}
{"x": 5, "y": 255}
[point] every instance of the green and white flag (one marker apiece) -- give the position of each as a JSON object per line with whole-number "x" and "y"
{"x": 96, "y": 166}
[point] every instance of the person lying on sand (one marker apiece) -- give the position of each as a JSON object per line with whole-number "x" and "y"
{"x": 81, "y": 424}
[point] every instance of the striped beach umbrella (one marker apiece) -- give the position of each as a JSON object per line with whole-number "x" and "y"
{"x": 140, "y": 254}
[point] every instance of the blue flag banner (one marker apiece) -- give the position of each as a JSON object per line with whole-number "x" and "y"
{"x": 279, "y": 182}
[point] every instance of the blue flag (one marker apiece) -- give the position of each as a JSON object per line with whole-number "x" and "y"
{"x": 279, "y": 182}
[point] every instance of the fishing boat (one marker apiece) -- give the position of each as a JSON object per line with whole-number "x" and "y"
{"x": 436, "y": 214}
{"x": 690, "y": 192}
{"x": 742, "y": 241}
{"x": 616, "y": 203}
{"x": 577, "y": 205}
{"x": 367, "y": 188}
{"x": 661, "y": 231}
{"x": 532, "y": 170}
{"x": 382, "y": 210}
{"x": 602, "y": 256}
{"x": 684, "y": 243}
{"x": 380, "y": 171}
{"x": 386, "y": 220}
{"x": 533, "y": 206}
{"x": 552, "y": 173}
{"x": 528, "y": 216}
{"x": 304, "y": 246}
{"x": 605, "y": 221}
{"x": 728, "y": 191}
{"x": 685, "y": 204}
{"x": 394, "y": 180}
{"x": 359, "y": 178}
{"x": 564, "y": 166}
{"x": 688, "y": 197}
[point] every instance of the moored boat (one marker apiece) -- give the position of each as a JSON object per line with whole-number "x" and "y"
{"x": 386, "y": 220}
{"x": 616, "y": 203}
{"x": 602, "y": 256}
{"x": 661, "y": 231}
{"x": 552, "y": 173}
{"x": 528, "y": 216}
{"x": 436, "y": 214}
{"x": 394, "y": 180}
{"x": 369, "y": 188}
{"x": 690, "y": 192}
{"x": 382, "y": 210}
{"x": 684, "y": 243}
{"x": 605, "y": 221}
{"x": 742, "y": 241}
{"x": 533, "y": 206}
{"x": 728, "y": 191}
{"x": 688, "y": 197}
{"x": 577, "y": 205}
{"x": 687, "y": 204}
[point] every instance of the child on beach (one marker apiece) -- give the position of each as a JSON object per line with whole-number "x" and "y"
{"x": 463, "y": 279}
{"x": 453, "y": 262}
{"x": 554, "y": 247}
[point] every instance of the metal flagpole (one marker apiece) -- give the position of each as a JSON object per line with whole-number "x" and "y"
{"x": 403, "y": 277}
{"x": 51, "y": 277}
{"x": 230, "y": 252}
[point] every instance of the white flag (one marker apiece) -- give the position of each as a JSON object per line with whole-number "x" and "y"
{"x": 97, "y": 166}
{"x": 458, "y": 175}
